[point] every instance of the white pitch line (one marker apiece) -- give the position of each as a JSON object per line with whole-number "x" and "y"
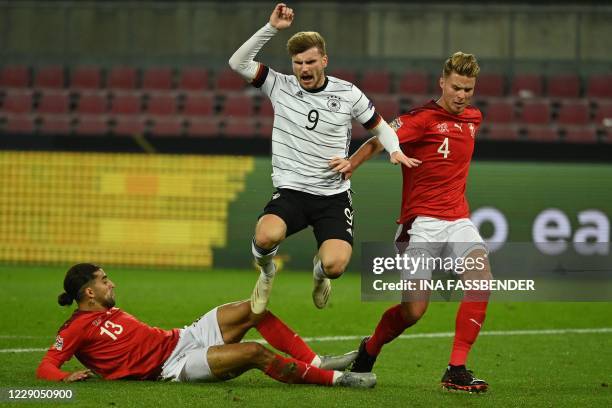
{"x": 546, "y": 332}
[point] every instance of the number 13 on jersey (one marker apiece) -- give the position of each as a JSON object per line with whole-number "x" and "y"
{"x": 443, "y": 149}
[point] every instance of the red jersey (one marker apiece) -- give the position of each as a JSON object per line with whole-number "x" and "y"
{"x": 112, "y": 343}
{"x": 444, "y": 142}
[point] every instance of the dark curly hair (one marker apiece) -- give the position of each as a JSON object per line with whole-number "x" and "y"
{"x": 76, "y": 278}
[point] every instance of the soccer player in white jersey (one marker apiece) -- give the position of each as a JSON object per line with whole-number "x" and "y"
{"x": 310, "y": 140}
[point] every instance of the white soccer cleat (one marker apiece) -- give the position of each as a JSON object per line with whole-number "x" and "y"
{"x": 321, "y": 289}
{"x": 261, "y": 293}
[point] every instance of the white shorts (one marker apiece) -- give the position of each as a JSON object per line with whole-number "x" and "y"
{"x": 437, "y": 238}
{"x": 188, "y": 361}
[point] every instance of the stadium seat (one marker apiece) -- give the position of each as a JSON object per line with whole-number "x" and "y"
{"x": 92, "y": 103}
{"x": 563, "y": 86}
{"x": 358, "y": 132}
{"x": 85, "y": 77}
{"x": 126, "y": 103}
{"x": 228, "y": 80}
{"x": 344, "y": 74}
{"x": 166, "y": 126}
{"x": 490, "y": 85}
{"x": 579, "y": 134}
{"x": 203, "y": 127}
{"x": 375, "y": 82}
{"x": 606, "y": 135}
{"x": 51, "y": 76}
{"x": 387, "y": 106}
{"x": 600, "y": 86}
{"x": 158, "y": 78}
{"x": 502, "y": 131}
{"x": 238, "y": 105}
{"x": 574, "y": 113}
{"x": 55, "y": 124}
{"x": 162, "y": 104}
{"x": 128, "y": 125}
{"x": 500, "y": 111}
{"x": 194, "y": 79}
{"x": 15, "y": 76}
{"x": 198, "y": 104}
{"x": 54, "y": 102}
{"x": 265, "y": 108}
{"x": 527, "y": 85}
{"x": 91, "y": 125}
{"x": 603, "y": 114}
{"x": 536, "y": 112}
{"x": 20, "y": 124}
{"x": 414, "y": 83}
{"x": 17, "y": 101}
{"x": 264, "y": 129}
{"x": 240, "y": 128}
{"x": 542, "y": 133}
{"x": 121, "y": 78}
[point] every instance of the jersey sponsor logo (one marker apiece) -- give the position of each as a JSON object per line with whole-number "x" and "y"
{"x": 299, "y": 94}
{"x": 275, "y": 195}
{"x": 333, "y": 103}
{"x": 396, "y": 124}
{"x": 472, "y": 129}
{"x": 442, "y": 127}
{"x": 59, "y": 343}
{"x": 350, "y": 231}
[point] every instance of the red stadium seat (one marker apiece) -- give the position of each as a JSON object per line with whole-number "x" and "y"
{"x": 239, "y": 105}
{"x": 15, "y": 76}
{"x": 129, "y": 125}
{"x": 387, "y": 106}
{"x": 490, "y": 85}
{"x": 92, "y": 103}
{"x": 121, "y": 78}
{"x": 162, "y": 104}
{"x": 194, "y": 79}
{"x": 86, "y": 77}
{"x": 198, "y": 104}
{"x": 358, "y": 132}
{"x": 55, "y": 124}
{"x": 606, "y": 136}
{"x": 17, "y": 101}
{"x": 600, "y": 86}
{"x": 166, "y": 126}
{"x": 203, "y": 127}
{"x": 542, "y": 133}
{"x": 603, "y": 114}
{"x": 126, "y": 103}
{"x": 536, "y": 112}
{"x": 580, "y": 134}
{"x": 228, "y": 80}
{"x": 51, "y": 76}
{"x": 375, "y": 82}
{"x": 414, "y": 83}
{"x": 264, "y": 130}
{"x": 158, "y": 78}
{"x": 564, "y": 86}
{"x": 54, "y": 102}
{"x": 20, "y": 124}
{"x": 574, "y": 113}
{"x": 240, "y": 128}
{"x": 265, "y": 108}
{"x": 502, "y": 132}
{"x": 500, "y": 111}
{"x": 344, "y": 74}
{"x": 91, "y": 125}
{"x": 527, "y": 85}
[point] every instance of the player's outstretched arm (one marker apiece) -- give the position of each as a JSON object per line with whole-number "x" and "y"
{"x": 242, "y": 60}
{"x": 388, "y": 139}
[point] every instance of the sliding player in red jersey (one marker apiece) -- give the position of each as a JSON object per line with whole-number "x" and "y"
{"x": 435, "y": 213}
{"x": 115, "y": 345}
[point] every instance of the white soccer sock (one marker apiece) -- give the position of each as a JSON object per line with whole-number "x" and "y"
{"x": 319, "y": 273}
{"x": 337, "y": 374}
{"x": 316, "y": 361}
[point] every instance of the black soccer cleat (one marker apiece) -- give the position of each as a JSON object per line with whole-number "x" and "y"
{"x": 364, "y": 362}
{"x": 459, "y": 378}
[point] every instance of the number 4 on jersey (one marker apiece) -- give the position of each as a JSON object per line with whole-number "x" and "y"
{"x": 443, "y": 149}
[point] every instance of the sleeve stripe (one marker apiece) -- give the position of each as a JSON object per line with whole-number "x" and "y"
{"x": 373, "y": 121}
{"x": 260, "y": 77}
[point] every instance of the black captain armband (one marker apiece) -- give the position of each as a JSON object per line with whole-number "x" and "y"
{"x": 260, "y": 78}
{"x": 373, "y": 121}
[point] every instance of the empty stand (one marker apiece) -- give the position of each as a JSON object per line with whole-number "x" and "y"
{"x": 600, "y": 86}
{"x": 128, "y": 125}
{"x": 490, "y": 84}
{"x": 414, "y": 83}
{"x": 166, "y": 126}
{"x": 121, "y": 77}
{"x": 51, "y": 76}
{"x": 203, "y": 127}
{"x": 240, "y": 105}
{"x": 126, "y": 103}
{"x": 500, "y": 111}
{"x": 265, "y": 108}
{"x": 92, "y": 103}
{"x": 85, "y": 78}
{"x": 157, "y": 78}
{"x": 15, "y": 76}
{"x": 162, "y": 104}
{"x": 579, "y": 134}
{"x": 193, "y": 79}
{"x": 376, "y": 82}
{"x": 387, "y": 106}
{"x": 198, "y": 104}
{"x": 603, "y": 114}
{"x": 574, "y": 112}
{"x": 502, "y": 132}
{"x": 240, "y": 128}
{"x": 264, "y": 129}
{"x": 527, "y": 85}
{"x": 95, "y": 125}
{"x": 536, "y": 112}
{"x": 344, "y": 74}
{"x": 542, "y": 133}
{"x": 54, "y": 102}
{"x": 228, "y": 80}
{"x": 55, "y": 124}
{"x": 564, "y": 86}
{"x": 18, "y": 101}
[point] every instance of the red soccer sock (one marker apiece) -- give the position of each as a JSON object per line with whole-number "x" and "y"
{"x": 292, "y": 371}
{"x": 391, "y": 325}
{"x": 282, "y": 338}
{"x": 470, "y": 317}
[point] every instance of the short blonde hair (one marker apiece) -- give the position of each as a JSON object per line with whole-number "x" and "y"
{"x": 462, "y": 64}
{"x": 305, "y": 40}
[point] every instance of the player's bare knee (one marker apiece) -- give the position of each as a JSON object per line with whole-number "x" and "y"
{"x": 267, "y": 238}
{"x": 334, "y": 268}
{"x": 257, "y": 354}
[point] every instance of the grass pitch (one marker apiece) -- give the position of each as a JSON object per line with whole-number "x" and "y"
{"x": 535, "y": 368}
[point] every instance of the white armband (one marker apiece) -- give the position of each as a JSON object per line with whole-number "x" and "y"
{"x": 242, "y": 60}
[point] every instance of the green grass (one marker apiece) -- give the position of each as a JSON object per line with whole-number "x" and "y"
{"x": 523, "y": 370}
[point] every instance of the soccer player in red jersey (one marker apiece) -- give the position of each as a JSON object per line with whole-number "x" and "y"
{"x": 434, "y": 213}
{"x": 116, "y": 345}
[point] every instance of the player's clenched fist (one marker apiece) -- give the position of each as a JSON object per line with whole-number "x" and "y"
{"x": 281, "y": 17}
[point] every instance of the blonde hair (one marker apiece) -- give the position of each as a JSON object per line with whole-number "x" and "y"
{"x": 461, "y": 64}
{"x": 305, "y": 40}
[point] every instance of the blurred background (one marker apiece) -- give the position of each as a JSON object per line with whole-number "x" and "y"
{"x": 126, "y": 140}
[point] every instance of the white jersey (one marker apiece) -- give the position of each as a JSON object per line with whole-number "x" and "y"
{"x": 310, "y": 128}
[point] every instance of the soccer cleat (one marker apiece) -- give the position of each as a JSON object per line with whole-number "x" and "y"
{"x": 261, "y": 292}
{"x": 356, "y": 380}
{"x": 321, "y": 289}
{"x": 364, "y": 362}
{"x": 459, "y": 378}
{"x": 339, "y": 363}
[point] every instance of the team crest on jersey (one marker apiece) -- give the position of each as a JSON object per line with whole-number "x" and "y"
{"x": 333, "y": 103}
{"x": 472, "y": 129}
{"x": 442, "y": 127}
{"x": 396, "y": 124}
{"x": 59, "y": 343}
